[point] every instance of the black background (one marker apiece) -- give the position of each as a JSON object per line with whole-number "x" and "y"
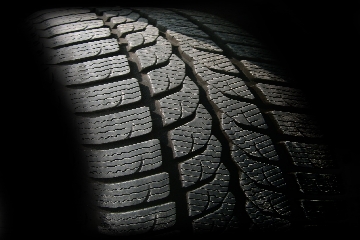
{"x": 38, "y": 195}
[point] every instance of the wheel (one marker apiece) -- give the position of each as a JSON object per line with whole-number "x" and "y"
{"x": 184, "y": 124}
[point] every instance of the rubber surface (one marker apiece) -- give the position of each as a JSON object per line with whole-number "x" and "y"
{"x": 196, "y": 114}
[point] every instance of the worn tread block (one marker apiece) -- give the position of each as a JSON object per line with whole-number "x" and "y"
{"x": 296, "y": 124}
{"x": 265, "y": 71}
{"x": 310, "y": 155}
{"x": 181, "y": 104}
{"x": 138, "y": 221}
{"x": 105, "y": 96}
{"x": 122, "y": 161}
{"x": 266, "y": 200}
{"x": 238, "y": 39}
{"x": 188, "y": 31}
{"x": 265, "y": 222}
{"x": 261, "y": 173}
{"x": 124, "y": 28}
{"x": 202, "y": 166}
{"x": 248, "y": 142}
{"x": 222, "y": 219}
{"x": 75, "y": 37}
{"x": 252, "y": 53}
{"x": 83, "y": 50}
{"x": 112, "y": 12}
{"x": 314, "y": 183}
{"x": 65, "y": 20}
{"x": 71, "y": 27}
{"x": 194, "y": 41}
{"x": 132, "y": 17}
{"x": 132, "y": 192}
{"x": 154, "y": 55}
{"x": 115, "y": 127}
{"x": 209, "y": 195}
{"x": 160, "y": 13}
{"x": 210, "y": 60}
{"x": 283, "y": 96}
{"x": 213, "y": 61}
{"x": 91, "y": 71}
{"x": 113, "y": 18}
{"x": 192, "y": 135}
{"x": 166, "y": 22}
{"x": 168, "y": 77}
{"x": 149, "y": 35}
{"x": 230, "y": 85}
{"x": 242, "y": 112}
{"x": 59, "y": 12}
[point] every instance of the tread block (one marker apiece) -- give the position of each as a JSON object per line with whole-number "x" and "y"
{"x": 194, "y": 41}
{"x": 252, "y": 53}
{"x": 310, "y": 155}
{"x": 154, "y": 55}
{"x": 83, "y": 50}
{"x": 149, "y": 35}
{"x": 157, "y": 13}
{"x": 242, "y": 112}
{"x": 266, "y": 200}
{"x": 181, "y": 104}
{"x": 209, "y": 195}
{"x": 115, "y": 127}
{"x": 168, "y": 77}
{"x": 124, "y": 28}
{"x": 71, "y": 27}
{"x": 212, "y": 61}
{"x": 91, "y": 71}
{"x": 105, "y": 96}
{"x": 283, "y": 96}
{"x": 133, "y": 192}
{"x": 263, "y": 221}
{"x": 192, "y": 135}
{"x": 262, "y": 173}
{"x": 231, "y": 85}
{"x": 138, "y": 221}
{"x": 296, "y": 124}
{"x": 112, "y": 12}
{"x": 66, "y": 19}
{"x": 247, "y": 142}
{"x": 60, "y": 12}
{"x": 132, "y": 17}
{"x": 202, "y": 166}
{"x": 314, "y": 183}
{"x": 187, "y": 31}
{"x": 75, "y": 37}
{"x": 220, "y": 220}
{"x": 238, "y": 39}
{"x": 265, "y": 71}
{"x": 124, "y": 161}
{"x": 170, "y": 21}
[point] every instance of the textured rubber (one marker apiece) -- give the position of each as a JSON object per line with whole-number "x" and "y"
{"x": 187, "y": 124}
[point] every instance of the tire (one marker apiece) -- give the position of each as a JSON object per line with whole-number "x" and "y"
{"x": 185, "y": 124}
